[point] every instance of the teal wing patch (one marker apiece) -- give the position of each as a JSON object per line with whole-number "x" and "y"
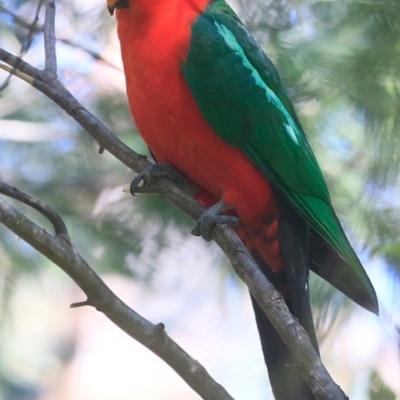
{"x": 247, "y": 106}
{"x": 242, "y": 97}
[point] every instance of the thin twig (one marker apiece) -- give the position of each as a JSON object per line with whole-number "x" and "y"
{"x": 16, "y": 72}
{"x": 39, "y": 28}
{"x": 50, "y": 38}
{"x": 21, "y": 21}
{"x": 25, "y": 47}
{"x": 59, "y": 226}
{"x": 19, "y": 65}
{"x": 32, "y": 30}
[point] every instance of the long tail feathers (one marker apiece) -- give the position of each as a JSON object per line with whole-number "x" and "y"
{"x": 285, "y": 377}
{"x": 294, "y": 236}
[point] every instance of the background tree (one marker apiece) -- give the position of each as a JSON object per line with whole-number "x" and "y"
{"x": 340, "y": 62}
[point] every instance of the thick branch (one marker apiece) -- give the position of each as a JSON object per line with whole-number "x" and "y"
{"x": 63, "y": 253}
{"x": 272, "y": 303}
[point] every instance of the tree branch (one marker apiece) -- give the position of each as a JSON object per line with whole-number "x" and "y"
{"x": 50, "y": 38}
{"x": 60, "y": 228}
{"x": 62, "y": 252}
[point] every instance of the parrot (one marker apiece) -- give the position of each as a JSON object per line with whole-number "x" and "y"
{"x": 209, "y": 102}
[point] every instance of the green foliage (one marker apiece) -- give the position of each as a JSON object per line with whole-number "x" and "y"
{"x": 378, "y": 390}
{"x": 340, "y": 63}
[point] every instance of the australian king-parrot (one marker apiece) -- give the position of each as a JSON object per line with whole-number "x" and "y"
{"x": 208, "y": 101}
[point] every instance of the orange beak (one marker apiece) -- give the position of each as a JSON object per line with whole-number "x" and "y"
{"x": 111, "y": 6}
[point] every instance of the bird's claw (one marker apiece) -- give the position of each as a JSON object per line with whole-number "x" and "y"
{"x": 205, "y": 223}
{"x": 161, "y": 170}
{"x": 212, "y": 217}
{"x": 155, "y": 171}
{"x": 144, "y": 177}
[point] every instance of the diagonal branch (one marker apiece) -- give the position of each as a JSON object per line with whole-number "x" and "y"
{"x": 18, "y": 64}
{"x": 62, "y": 252}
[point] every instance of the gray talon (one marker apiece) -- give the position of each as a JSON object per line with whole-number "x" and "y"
{"x": 211, "y": 217}
{"x": 159, "y": 170}
{"x": 154, "y": 171}
{"x": 136, "y": 180}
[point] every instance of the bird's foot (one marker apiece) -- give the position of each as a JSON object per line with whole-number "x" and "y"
{"x": 211, "y": 217}
{"x": 151, "y": 174}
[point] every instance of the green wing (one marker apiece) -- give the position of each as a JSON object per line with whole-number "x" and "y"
{"x": 242, "y": 97}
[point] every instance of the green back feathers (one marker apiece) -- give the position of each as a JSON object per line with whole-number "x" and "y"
{"x": 242, "y": 97}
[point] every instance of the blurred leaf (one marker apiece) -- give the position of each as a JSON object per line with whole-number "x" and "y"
{"x": 378, "y": 390}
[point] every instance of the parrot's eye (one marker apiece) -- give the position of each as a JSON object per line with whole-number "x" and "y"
{"x": 122, "y": 4}
{"x": 117, "y": 4}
